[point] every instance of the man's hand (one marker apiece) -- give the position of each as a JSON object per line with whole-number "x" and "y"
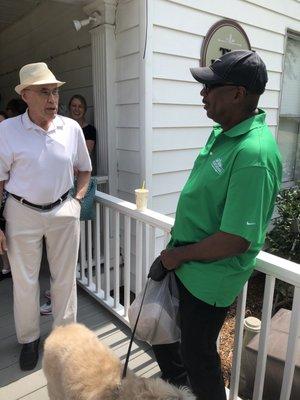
{"x": 3, "y": 247}
{"x": 171, "y": 258}
{"x": 157, "y": 271}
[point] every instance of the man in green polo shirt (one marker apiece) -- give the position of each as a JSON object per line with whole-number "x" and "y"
{"x": 221, "y": 219}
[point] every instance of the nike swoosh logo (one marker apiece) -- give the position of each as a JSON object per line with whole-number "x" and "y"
{"x": 251, "y": 223}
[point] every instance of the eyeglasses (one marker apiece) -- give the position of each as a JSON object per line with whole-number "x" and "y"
{"x": 208, "y": 87}
{"x": 45, "y": 92}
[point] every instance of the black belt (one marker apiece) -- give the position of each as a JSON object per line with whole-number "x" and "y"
{"x": 41, "y": 207}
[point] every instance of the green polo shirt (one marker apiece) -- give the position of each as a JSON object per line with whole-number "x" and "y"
{"x": 232, "y": 188}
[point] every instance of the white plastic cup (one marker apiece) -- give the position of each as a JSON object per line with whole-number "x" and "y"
{"x": 141, "y": 198}
{"x": 252, "y": 327}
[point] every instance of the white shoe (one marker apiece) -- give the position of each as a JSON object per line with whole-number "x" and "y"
{"x": 46, "y": 308}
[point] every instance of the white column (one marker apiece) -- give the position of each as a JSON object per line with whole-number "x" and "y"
{"x": 103, "y": 44}
{"x": 145, "y": 91}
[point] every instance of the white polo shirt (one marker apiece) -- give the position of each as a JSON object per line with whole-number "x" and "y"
{"x": 37, "y": 164}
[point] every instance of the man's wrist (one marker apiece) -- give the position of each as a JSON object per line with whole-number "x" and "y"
{"x": 79, "y": 199}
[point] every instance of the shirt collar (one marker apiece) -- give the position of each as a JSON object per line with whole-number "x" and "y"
{"x": 244, "y": 126}
{"x": 57, "y": 123}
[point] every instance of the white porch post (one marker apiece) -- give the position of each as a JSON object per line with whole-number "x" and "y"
{"x": 146, "y": 83}
{"x": 103, "y": 44}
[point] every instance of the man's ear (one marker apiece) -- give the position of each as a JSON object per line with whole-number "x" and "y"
{"x": 240, "y": 93}
{"x": 23, "y": 95}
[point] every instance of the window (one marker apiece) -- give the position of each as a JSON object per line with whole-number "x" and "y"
{"x": 289, "y": 117}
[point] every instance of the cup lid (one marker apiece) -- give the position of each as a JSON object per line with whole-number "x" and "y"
{"x": 252, "y": 324}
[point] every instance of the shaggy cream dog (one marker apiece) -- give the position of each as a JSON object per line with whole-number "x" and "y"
{"x": 79, "y": 367}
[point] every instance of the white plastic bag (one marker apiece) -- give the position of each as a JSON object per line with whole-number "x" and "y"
{"x": 158, "y": 322}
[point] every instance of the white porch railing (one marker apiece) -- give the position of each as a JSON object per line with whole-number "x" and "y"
{"x": 121, "y": 233}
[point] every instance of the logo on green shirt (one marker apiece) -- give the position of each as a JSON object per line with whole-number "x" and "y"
{"x": 217, "y": 166}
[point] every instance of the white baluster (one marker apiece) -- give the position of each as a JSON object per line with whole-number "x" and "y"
{"x": 151, "y": 246}
{"x": 145, "y": 255}
{"x": 106, "y": 253}
{"x": 263, "y": 338}
{"x": 82, "y": 251}
{"x": 292, "y": 348}
{"x": 89, "y": 254}
{"x": 166, "y": 238}
{"x": 127, "y": 242}
{"x": 98, "y": 248}
{"x": 238, "y": 340}
{"x": 117, "y": 261}
{"x": 138, "y": 256}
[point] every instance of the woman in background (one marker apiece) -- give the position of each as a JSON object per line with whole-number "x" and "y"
{"x": 3, "y": 116}
{"x": 77, "y": 111}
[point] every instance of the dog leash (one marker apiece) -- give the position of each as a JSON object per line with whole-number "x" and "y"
{"x": 133, "y": 332}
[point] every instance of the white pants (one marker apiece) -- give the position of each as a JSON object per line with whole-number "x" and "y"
{"x": 25, "y": 229}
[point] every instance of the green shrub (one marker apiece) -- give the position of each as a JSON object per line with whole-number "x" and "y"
{"x": 284, "y": 239}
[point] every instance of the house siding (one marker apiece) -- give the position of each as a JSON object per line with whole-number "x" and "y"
{"x": 180, "y": 124}
{"x": 47, "y": 34}
{"x": 128, "y": 97}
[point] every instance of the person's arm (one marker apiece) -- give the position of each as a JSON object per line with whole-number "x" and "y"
{"x": 3, "y": 247}
{"x": 6, "y": 161}
{"x": 90, "y": 135}
{"x": 83, "y": 179}
{"x": 215, "y": 247}
{"x": 90, "y": 144}
{"x": 1, "y": 191}
{"x": 249, "y": 203}
{"x": 82, "y": 166}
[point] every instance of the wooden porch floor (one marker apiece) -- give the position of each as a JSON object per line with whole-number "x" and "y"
{"x": 16, "y": 384}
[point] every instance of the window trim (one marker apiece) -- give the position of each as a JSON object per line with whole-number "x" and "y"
{"x": 295, "y": 35}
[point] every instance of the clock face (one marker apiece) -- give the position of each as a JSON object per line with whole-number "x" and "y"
{"x": 223, "y": 37}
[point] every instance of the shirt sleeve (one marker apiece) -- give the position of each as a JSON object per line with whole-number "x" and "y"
{"x": 249, "y": 203}
{"x": 89, "y": 132}
{"x": 83, "y": 160}
{"x": 6, "y": 157}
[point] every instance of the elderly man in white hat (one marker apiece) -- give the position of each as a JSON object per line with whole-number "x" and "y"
{"x": 38, "y": 153}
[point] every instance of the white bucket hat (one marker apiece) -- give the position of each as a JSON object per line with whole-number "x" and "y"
{"x": 36, "y": 74}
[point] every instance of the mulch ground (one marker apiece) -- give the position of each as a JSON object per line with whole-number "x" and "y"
{"x": 253, "y": 308}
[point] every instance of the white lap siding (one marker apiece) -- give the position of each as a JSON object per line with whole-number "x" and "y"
{"x": 180, "y": 125}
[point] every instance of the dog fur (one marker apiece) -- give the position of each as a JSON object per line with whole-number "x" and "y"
{"x": 79, "y": 367}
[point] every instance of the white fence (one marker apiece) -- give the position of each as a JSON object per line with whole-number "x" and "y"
{"x": 116, "y": 251}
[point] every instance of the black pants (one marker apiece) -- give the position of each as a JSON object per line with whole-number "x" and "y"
{"x": 195, "y": 361}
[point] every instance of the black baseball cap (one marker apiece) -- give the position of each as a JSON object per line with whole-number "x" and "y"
{"x": 240, "y": 67}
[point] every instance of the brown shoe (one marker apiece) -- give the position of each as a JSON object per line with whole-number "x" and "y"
{"x": 29, "y": 355}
